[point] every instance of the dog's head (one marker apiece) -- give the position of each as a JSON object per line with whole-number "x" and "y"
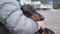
{"x": 30, "y": 12}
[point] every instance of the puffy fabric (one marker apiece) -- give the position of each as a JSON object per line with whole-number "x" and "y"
{"x": 14, "y": 20}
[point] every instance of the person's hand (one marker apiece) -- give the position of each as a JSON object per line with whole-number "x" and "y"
{"x": 41, "y": 24}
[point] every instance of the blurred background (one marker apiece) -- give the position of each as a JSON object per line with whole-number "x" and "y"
{"x": 39, "y": 4}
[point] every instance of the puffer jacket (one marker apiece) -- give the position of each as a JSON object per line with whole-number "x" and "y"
{"x": 13, "y": 19}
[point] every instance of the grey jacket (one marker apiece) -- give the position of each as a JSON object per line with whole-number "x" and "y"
{"x": 14, "y": 20}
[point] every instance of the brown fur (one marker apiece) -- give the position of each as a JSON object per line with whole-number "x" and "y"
{"x": 35, "y": 17}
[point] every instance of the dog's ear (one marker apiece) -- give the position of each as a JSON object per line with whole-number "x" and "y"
{"x": 28, "y": 7}
{"x": 27, "y": 10}
{"x": 23, "y": 8}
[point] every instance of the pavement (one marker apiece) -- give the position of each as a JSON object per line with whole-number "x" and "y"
{"x": 52, "y": 20}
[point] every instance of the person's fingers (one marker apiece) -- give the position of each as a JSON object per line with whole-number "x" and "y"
{"x": 41, "y": 24}
{"x": 39, "y": 27}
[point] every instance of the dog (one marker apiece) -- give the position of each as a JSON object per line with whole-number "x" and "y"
{"x": 30, "y": 12}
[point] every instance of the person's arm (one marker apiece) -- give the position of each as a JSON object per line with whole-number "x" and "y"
{"x": 16, "y": 23}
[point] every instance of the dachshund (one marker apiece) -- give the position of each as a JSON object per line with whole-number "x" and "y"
{"x": 30, "y": 12}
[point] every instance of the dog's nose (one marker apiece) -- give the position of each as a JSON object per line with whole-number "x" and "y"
{"x": 42, "y": 18}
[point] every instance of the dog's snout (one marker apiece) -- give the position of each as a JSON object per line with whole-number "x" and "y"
{"x": 42, "y": 18}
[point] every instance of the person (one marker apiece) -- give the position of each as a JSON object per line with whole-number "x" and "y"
{"x": 13, "y": 19}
